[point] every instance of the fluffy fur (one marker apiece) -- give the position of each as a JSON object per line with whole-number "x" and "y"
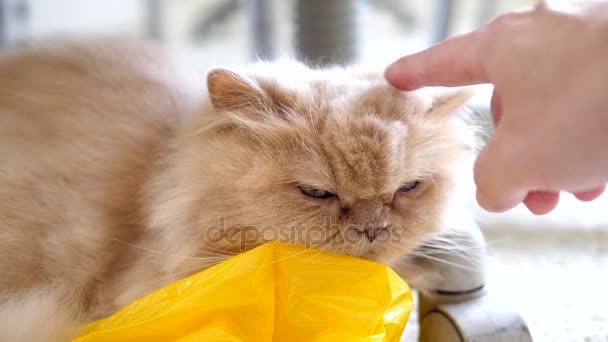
{"x": 121, "y": 173}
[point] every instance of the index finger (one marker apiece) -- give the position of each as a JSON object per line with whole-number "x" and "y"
{"x": 456, "y": 61}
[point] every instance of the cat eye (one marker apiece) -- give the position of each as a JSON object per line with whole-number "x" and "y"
{"x": 316, "y": 193}
{"x": 409, "y": 186}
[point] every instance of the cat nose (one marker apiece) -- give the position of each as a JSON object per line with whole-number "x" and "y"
{"x": 370, "y": 233}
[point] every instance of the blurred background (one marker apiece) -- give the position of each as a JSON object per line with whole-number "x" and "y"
{"x": 555, "y": 268}
{"x": 237, "y": 31}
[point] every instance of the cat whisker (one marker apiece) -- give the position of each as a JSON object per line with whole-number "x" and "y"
{"x": 206, "y": 254}
{"x": 307, "y": 249}
{"x": 321, "y": 250}
{"x": 194, "y": 270}
{"x": 451, "y": 245}
{"x": 447, "y": 249}
{"x": 446, "y": 262}
{"x": 145, "y": 261}
{"x": 219, "y": 251}
{"x": 149, "y": 250}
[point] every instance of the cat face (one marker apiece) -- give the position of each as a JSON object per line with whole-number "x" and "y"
{"x": 334, "y": 159}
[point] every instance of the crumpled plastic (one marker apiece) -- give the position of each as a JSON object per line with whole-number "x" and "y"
{"x": 274, "y": 292}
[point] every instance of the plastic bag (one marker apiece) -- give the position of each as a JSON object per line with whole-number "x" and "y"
{"x": 274, "y": 292}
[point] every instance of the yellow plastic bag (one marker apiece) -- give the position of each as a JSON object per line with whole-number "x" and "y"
{"x": 274, "y": 292}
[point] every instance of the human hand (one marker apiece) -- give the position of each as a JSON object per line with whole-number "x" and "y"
{"x": 549, "y": 67}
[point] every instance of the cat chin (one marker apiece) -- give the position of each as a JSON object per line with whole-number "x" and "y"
{"x": 415, "y": 274}
{"x": 383, "y": 258}
{"x": 373, "y": 252}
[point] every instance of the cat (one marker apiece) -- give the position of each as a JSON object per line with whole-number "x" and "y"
{"x": 122, "y": 171}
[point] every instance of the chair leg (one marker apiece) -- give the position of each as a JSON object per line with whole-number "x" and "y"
{"x": 459, "y": 308}
{"x": 482, "y": 319}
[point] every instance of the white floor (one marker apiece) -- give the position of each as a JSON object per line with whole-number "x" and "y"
{"x": 555, "y": 268}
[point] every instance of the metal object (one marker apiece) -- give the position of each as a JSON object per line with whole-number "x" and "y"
{"x": 482, "y": 319}
{"x": 215, "y": 15}
{"x": 327, "y": 31}
{"x": 487, "y": 10}
{"x": 444, "y": 14}
{"x": 460, "y": 308}
{"x": 262, "y": 23}
{"x": 154, "y": 19}
{"x": 260, "y": 14}
{"x": 14, "y": 15}
{"x": 398, "y": 10}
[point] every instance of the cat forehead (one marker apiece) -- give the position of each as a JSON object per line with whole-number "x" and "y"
{"x": 348, "y": 95}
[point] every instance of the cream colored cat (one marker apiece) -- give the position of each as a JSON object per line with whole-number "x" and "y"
{"x": 121, "y": 173}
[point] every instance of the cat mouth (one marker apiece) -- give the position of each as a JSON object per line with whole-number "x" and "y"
{"x": 373, "y": 251}
{"x": 372, "y": 255}
{"x": 365, "y": 243}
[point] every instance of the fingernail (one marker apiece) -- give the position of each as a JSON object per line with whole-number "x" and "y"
{"x": 389, "y": 71}
{"x": 395, "y": 76}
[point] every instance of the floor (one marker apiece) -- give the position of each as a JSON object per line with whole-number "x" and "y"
{"x": 553, "y": 269}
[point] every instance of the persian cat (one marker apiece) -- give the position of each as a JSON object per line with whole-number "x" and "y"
{"x": 121, "y": 172}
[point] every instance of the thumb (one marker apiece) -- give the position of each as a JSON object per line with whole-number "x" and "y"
{"x": 498, "y": 175}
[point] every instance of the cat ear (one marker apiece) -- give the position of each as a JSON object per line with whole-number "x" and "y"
{"x": 446, "y": 101}
{"x": 230, "y": 91}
